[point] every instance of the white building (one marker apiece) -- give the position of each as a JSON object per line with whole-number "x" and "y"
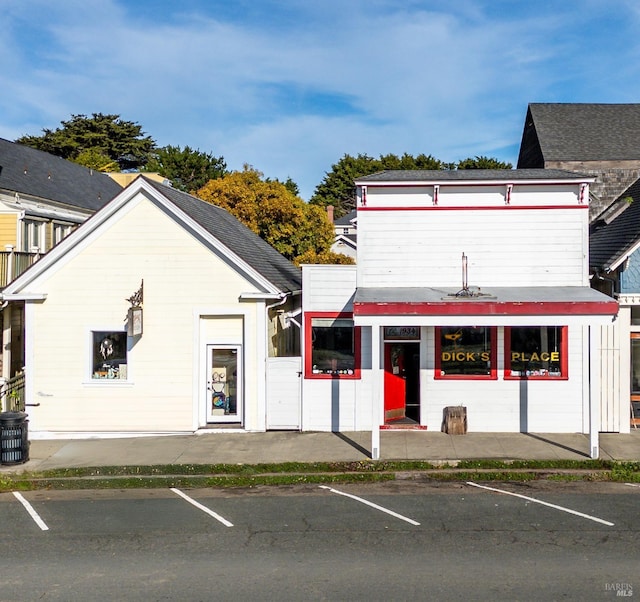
{"x": 163, "y": 313}
{"x": 471, "y": 288}
{"x": 159, "y": 314}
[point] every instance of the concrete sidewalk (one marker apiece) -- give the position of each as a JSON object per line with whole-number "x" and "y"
{"x": 213, "y": 447}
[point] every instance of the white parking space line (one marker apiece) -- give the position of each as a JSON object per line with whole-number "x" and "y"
{"x": 531, "y": 499}
{"x": 215, "y": 515}
{"x": 632, "y": 484}
{"x": 29, "y": 508}
{"x": 363, "y": 501}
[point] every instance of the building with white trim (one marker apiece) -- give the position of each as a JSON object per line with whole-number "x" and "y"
{"x": 471, "y": 289}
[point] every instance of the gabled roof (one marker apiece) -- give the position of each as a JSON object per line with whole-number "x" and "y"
{"x": 349, "y": 240}
{"x": 611, "y": 243}
{"x": 580, "y": 132}
{"x": 247, "y": 251}
{"x": 471, "y": 175}
{"x": 32, "y": 172}
{"x": 236, "y": 236}
{"x": 346, "y": 220}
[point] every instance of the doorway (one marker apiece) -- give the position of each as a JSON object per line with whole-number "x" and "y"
{"x": 224, "y": 383}
{"x": 401, "y": 383}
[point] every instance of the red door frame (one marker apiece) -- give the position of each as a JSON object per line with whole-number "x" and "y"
{"x": 395, "y": 378}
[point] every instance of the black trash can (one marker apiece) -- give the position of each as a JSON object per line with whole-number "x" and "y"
{"x": 14, "y": 438}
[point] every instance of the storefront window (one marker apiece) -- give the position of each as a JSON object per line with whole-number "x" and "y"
{"x": 465, "y": 352}
{"x": 109, "y": 355}
{"x": 332, "y": 347}
{"x": 536, "y": 352}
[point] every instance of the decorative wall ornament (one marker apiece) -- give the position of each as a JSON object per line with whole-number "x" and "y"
{"x": 136, "y": 298}
{"x": 134, "y": 315}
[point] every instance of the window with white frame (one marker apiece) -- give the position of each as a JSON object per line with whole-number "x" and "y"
{"x": 109, "y": 349}
{"x": 60, "y": 231}
{"x": 33, "y": 235}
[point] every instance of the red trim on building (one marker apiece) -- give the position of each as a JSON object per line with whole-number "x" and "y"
{"x": 564, "y": 357}
{"x": 493, "y": 375}
{"x": 473, "y": 208}
{"x": 487, "y": 308}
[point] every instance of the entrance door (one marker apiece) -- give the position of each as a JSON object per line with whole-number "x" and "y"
{"x": 224, "y": 383}
{"x": 401, "y": 382}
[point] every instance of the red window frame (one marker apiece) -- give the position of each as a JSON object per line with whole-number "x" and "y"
{"x": 564, "y": 356}
{"x": 308, "y": 369}
{"x": 493, "y": 357}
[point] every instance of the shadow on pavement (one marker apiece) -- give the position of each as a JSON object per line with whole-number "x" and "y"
{"x": 556, "y": 444}
{"x": 353, "y": 444}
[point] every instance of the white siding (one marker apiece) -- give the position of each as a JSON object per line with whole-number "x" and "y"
{"x": 503, "y": 247}
{"x": 509, "y": 406}
{"x": 284, "y": 378}
{"x": 615, "y": 389}
{"x": 328, "y": 287}
{"x": 329, "y": 405}
{"x": 88, "y": 290}
{"x": 456, "y": 195}
{"x": 513, "y": 235}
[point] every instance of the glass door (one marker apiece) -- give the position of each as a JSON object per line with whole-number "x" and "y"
{"x": 224, "y": 383}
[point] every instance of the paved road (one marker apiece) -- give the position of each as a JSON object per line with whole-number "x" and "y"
{"x": 398, "y": 541}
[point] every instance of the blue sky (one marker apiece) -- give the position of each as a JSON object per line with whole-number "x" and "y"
{"x": 290, "y": 86}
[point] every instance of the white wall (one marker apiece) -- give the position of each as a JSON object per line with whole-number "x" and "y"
{"x": 332, "y": 404}
{"x": 406, "y": 239}
{"x": 87, "y": 290}
{"x": 542, "y": 406}
{"x": 504, "y": 248}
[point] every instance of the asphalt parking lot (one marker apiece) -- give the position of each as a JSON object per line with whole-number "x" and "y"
{"x": 323, "y": 542}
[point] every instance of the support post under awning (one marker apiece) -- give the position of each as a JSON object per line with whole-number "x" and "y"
{"x": 376, "y": 397}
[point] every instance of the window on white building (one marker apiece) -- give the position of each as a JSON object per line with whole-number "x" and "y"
{"x": 109, "y": 350}
{"x": 466, "y": 352}
{"x": 332, "y": 347}
{"x": 536, "y": 352}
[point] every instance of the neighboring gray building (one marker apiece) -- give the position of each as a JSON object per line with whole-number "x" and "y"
{"x": 600, "y": 140}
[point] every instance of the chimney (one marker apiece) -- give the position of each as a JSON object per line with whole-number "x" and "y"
{"x": 330, "y": 213}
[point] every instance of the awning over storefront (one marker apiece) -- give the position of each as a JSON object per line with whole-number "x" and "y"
{"x": 495, "y": 305}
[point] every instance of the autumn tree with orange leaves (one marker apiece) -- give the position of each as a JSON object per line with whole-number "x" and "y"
{"x": 301, "y": 232}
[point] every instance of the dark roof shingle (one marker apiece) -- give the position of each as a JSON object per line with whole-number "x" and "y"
{"x": 29, "y": 171}
{"x": 610, "y": 242}
{"x": 232, "y": 233}
{"x": 463, "y": 175}
{"x": 586, "y": 131}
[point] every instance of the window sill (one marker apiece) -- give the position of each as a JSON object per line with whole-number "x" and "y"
{"x": 318, "y": 376}
{"x": 545, "y": 377}
{"x": 466, "y": 377}
{"x": 108, "y": 382}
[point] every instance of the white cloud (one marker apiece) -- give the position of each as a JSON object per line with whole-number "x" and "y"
{"x": 243, "y": 80}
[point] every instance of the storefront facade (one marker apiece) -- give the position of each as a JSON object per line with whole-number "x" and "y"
{"x": 470, "y": 289}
